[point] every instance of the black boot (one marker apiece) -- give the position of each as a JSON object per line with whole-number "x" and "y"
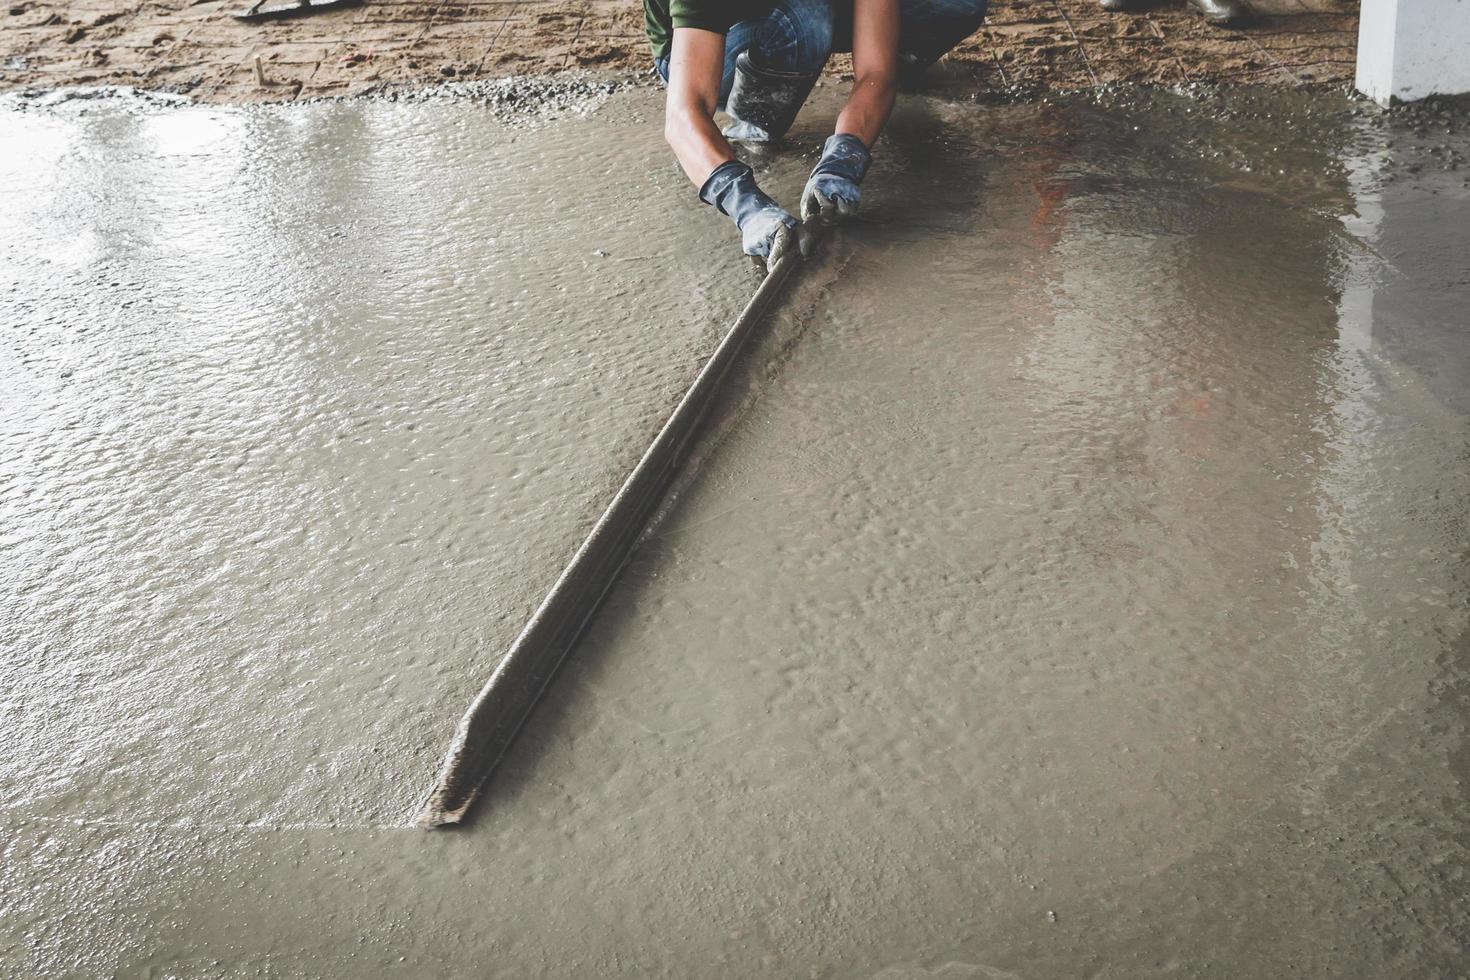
{"x": 763, "y": 103}
{"x": 1116, "y": 6}
{"x": 1221, "y": 13}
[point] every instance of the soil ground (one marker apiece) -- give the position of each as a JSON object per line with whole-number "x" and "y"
{"x": 198, "y": 48}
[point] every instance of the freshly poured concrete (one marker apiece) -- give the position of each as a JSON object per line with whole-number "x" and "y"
{"x": 304, "y": 411}
{"x": 1072, "y": 585}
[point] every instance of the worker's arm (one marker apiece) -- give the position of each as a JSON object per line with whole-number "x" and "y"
{"x": 696, "y": 63}
{"x": 874, "y": 69}
{"x": 832, "y": 192}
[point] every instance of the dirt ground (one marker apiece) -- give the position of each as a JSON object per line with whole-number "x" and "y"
{"x": 197, "y": 47}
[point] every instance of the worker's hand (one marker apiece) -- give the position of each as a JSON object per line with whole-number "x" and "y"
{"x": 771, "y": 232}
{"x": 788, "y": 236}
{"x": 767, "y": 230}
{"x": 831, "y": 192}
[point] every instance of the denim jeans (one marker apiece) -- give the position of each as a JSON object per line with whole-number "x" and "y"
{"x": 798, "y": 35}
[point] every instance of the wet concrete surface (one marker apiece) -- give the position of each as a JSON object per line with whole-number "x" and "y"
{"x": 285, "y": 439}
{"x": 1073, "y": 582}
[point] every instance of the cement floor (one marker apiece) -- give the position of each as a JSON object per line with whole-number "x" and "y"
{"x": 1072, "y": 582}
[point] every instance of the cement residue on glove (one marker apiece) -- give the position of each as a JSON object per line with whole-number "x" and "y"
{"x": 832, "y": 193}
{"x": 766, "y": 228}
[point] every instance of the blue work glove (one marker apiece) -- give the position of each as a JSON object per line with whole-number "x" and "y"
{"x": 831, "y": 192}
{"x": 767, "y": 230}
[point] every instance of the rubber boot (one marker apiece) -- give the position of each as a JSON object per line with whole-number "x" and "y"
{"x": 763, "y": 103}
{"x": 1221, "y": 13}
{"x": 921, "y": 51}
{"x": 915, "y": 71}
{"x": 1115, "y": 6}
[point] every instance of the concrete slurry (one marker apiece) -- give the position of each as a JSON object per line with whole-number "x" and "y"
{"x": 1072, "y": 582}
{"x": 304, "y": 410}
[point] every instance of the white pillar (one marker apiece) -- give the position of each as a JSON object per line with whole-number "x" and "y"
{"x": 1408, "y": 49}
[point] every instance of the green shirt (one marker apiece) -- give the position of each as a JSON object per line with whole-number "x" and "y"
{"x": 660, "y": 17}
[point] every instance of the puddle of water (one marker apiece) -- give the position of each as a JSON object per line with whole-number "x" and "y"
{"x": 1074, "y": 583}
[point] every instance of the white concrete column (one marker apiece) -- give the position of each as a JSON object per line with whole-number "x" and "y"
{"x": 1408, "y": 49}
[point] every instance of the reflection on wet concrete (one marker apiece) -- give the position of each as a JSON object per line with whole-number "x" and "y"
{"x": 284, "y": 452}
{"x": 1074, "y": 583}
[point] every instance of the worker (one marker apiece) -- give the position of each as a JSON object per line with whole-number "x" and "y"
{"x": 1220, "y": 13}
{"x": 758, "y": 60}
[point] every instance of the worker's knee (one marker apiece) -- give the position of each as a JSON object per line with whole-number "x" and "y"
{"x": 954, "y": 15}
{"x": 796, "y": 36}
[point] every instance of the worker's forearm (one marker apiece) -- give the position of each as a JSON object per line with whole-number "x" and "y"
{"x": 696, "y": 141}
{"x": 868, "y": 106}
